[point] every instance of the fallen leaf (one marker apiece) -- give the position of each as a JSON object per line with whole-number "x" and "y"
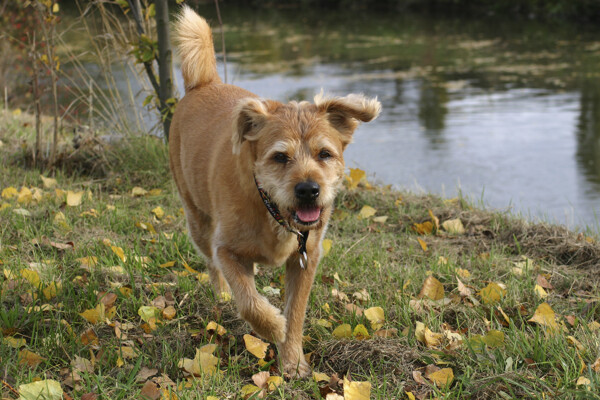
{"x": 326, "y": 244}
{"x": 341, "y": 296}
{"x": 145, "y": 373}
{"x": 418, "y": 377}
{"x": 432, "y": 289}
{"x": 360, "y": 332}
{"x": 543, "y": 282}
{"x": 119, "y": 252}
{"x": 463, "y": 273}
{"x": 29, "y": 358}
{"x": 356, "y": 175}
{"x": 48, "y": 183}
{"x": 424, "y": 228}
{"x": 583, "y": 381}
{"x": 492, "y": 293}
{"x": 13, "y": 342}
{"x": 343, "y": 331}
{"x": 454, "y": 226}
{"x": 422, "y": 244}
{"x": 366, "y": 212}
{"x": 158, "y": 212}
{"x": 354, "y": 309}
{"x": 376, "y": 317}
{"x": 148, "y": 313}
{"x": 540, "y": 292}
{"x": 443, "y": 377}
{"x": 213, "y": 326}
{"x": 150, "y": 391}
{"x": 95, "y": 315}
{"x": 544, "y": 315}
{"x": 9, "y": 192}
{"x": 21, "y": 211}
{"x": 46, "y": 389}
{"x": 320, "y": 377}
{"x": 74, "y": 198}
{"x": 169, "y": 313}
{"x": 255, "y": 346}
{"x": 354, "y": 390}
{"x": 362, "y": 296}
{"x": 381, "y": 220}
{"x": 138, "y": 191}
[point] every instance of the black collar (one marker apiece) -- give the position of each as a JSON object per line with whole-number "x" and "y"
{"x": 274, "y": 211}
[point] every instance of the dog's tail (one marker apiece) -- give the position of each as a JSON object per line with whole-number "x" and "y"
{"x": 195, "y": 47}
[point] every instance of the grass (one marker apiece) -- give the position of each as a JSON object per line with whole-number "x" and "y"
{"x": 385, "y": 259}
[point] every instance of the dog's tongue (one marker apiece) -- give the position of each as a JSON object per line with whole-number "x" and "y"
{"x": 308, "y": 214}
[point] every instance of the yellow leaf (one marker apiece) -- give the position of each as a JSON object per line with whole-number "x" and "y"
{"x": 324, "y": 323}
{"x": 148, "y": 312}
{"x": 25, "y": 196}
{"x": 576, "y": 343}
{"x": 16, "y": 112}
{"x": 119, "y": 252}
{"x": 442, "y": 377}
{"x": 254, "y": 345}
{"x": 356, "y": 390}
{"x": 127, "y": 352}
{"x": 366, "y": 212}
{"x": 343, "y": 331}
{"x": 424, "y": 228}
{"x": 544, "y": 315}
{"x": 168, "y": 264}
{"x": 13, "y": 342}
{"x": 492, "y": 293}
{"x": 376, "y": 317}
{"x": 432, "y": 289}
{"x": 158, "y": 212}
{"x": 273, "y": 382}
{"x": 410, "y": 396}
{"x": 208, "y": 348}
{"x": 249, "y": 390}
{"x": 326, "y": 246}
{"x": 420, "y": 332}
{"x": 463, "y": 273}
{"x": 49, "y": 183}
{"x": 454, "y": 226}
{"x": 51, "y": 291}
{"x": 360, "y": 332}
{"x": 169, "y": 313}
{"x": 74, "y": 198}
{"x": 46, "y": 389}
{"x": 356, "y": 175}
{"x": 432, "y": 339}
{"x": 320, "y": 377}
{"x": 4, "y": 206}
{"x": 225, "y": 297}
{"x": 9, "y": 193}
{"x": 138, "y": 191}
{"x": 540, "y": 292}
{"x": 583, "y": 381}
{"x": 95, "y": 315}
{"x": 126, "y": 291}
{"x": 55, "y": 8}
{"x": 31, "y": 277}
{"x": 422, "y": 243}
{"x": 213, "y": 326}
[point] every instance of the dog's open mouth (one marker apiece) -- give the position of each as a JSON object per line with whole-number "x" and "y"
{"x": 307, "y": 216}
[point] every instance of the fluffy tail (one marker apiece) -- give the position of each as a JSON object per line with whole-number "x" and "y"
{"x": 195, "y": 48}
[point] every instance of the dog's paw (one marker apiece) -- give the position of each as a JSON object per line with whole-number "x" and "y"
{"x": 296, "y": 368}
{"x": 268, "y": 322}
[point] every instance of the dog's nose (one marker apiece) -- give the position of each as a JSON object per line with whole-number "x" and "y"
{"x": 308, "y": 190}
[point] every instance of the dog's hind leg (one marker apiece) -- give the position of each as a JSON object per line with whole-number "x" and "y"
{"x": 265, "y": 319}
{"x": 199, "y": 227}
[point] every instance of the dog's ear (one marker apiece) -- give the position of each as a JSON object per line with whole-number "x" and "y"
{"x": 250, "y": 114}
{"x": 344, "y": 113}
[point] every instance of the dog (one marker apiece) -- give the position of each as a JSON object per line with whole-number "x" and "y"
{"x": 257, "y": 179}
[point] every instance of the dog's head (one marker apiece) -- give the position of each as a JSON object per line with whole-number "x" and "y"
{"x": 297, "y": 150}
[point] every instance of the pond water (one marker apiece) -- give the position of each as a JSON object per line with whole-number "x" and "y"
{"x": 503, "y": 111}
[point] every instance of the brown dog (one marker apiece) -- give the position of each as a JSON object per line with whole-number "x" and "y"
{"x": 225, "y": 144}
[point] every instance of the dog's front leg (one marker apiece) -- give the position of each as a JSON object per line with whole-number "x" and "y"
{"x": 265, "y": 319}
{"x": 298, "y": 283}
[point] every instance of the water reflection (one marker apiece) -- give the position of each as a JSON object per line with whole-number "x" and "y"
{"x": 588, "y": 132}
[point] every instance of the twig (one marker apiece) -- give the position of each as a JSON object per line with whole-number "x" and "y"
{"x": 12, "y": 389}
{"x": 354, "y": 244}
{"x": 222, "y": 39}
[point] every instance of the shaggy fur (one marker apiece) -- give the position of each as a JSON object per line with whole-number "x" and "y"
{"x": 221, "y": 138}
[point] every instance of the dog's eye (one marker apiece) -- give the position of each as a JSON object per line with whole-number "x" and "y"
{"x": 324, "y": 155}
{"x": 281, "y": 158}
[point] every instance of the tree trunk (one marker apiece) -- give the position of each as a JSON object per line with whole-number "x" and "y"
{"x": 165, "y": 63}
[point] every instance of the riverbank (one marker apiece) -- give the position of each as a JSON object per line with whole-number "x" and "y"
{"x": 419, "y": 296}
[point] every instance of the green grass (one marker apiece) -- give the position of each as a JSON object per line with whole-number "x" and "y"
{"x": 385, "y": 259}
